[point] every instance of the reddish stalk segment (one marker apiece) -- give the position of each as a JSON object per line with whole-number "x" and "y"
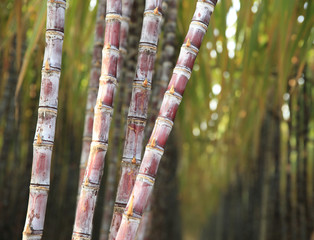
{"x": 166, "y": 64}
{"x": 172, "y": 98}
{"x": 127, "y": 6}
{"x": 102, "y": 119}
{"x": 47, "y": 115}
{"x": 125, "y": 92}
{"x": 138, "y": 109}
{"x": 92, "y": 88}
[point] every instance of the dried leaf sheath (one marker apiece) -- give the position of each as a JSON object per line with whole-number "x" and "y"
{"x": 47, "y": 115}
{"x": 102, "y": 119}
{"x": 127, "y": 7}
{"x": 92, "y": 88}
{"x": 172, "y": 98}
{"x": 138, "y": 109}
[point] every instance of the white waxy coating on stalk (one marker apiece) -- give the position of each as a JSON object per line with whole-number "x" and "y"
{"x": 49, "y": 82}
{"x": 47, "y": 114}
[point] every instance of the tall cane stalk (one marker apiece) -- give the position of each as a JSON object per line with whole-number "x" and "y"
{"x": 92, "y": 88}
{"x": 166, "y": 64}
{"x": 138, "y": 109}
{"x": 172, "y": 98}
{"x": 166, "y": 61}
{"x": 46, "y": 122}
{"x": 127, "y": 7}
{"x": 102, "y": 119}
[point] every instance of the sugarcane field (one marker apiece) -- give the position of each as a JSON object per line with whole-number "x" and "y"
{"x": 97, "y": 141}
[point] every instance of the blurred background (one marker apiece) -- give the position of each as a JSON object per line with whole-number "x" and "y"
{"x": 240, "y": 161}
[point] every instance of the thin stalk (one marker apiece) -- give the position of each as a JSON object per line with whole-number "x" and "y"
{"x": 127, "y": 74}
{"x": 47, "y": 115}
{"x": 7, "y": 114}
{"x": 138, "y": 109}
{"x": 164, "y": 220}
{"x": 102, "y": 119}
{"x": 166, "y": 64}
{"x": 154, "y": 150}
{"x": 92, "y": 88}
{"x": 129, "y": 71}
{"x": 127, "y": 7}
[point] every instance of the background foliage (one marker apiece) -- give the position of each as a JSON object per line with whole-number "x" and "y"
{"x": 245, "y": 130}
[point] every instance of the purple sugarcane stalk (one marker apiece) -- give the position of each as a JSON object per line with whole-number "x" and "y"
{"x": 138, "y": 109}
{"x": 46, "y": 123}
{"x": 155, "y": 148}
{"x": 102, "y": 119}
{"x": 127, "y": 6}
{"x": 166, "y": 64}
{"x": 92, "y": 88}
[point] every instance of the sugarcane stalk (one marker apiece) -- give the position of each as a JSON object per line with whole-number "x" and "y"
{"x": 131, "y": 60}
{"x": 102, "y": 119}
{"x": 166, "y": 63}
{"x": 92, "y": 88}
{"x": 127, "y": 72}
{"x": 137, "y": 115}
{"x": 47, "y": 115}
{"x": 154, "y": 150}
{"x": 127, "y": 7}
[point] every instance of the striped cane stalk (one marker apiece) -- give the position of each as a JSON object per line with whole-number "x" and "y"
{"x": 129, "y": 71}
{"x": 125, "y": 92}
{"x": 47, "y": 115}
{"x": 127, "y": 7}
{"x": 172, "y": 98}
{"x": 138, "y": 109}
{"x": 102, "y": 119}
{"x": 92, "y": 88}
{"x": 166, "y": 64}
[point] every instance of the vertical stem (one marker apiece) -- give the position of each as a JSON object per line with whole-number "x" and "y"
{"x": 306, "y": 118}
{"x": 7, "y": 114}
{"x": 102, "y": 119}
{"x": 127, "y": 6}
{"x": 289, "y": 208}
{"x": 47, "y": 115}
{"x": 92, "y": 88}
{"x": 145, "y": 179}
{"x": 299, "y": 177}
{"x": 132, "y": 53}
{"x": 138, "y": 109}
{"x": 166, "y": 63}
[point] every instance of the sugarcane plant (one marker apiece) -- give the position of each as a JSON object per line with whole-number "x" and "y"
{"x": 102, "y": 119}
{"x": 137, "y": 115}
{"x": 166, "y": 63}
{"x": 154, "y": 150}
{"x": 127, "y": 6}
{"x": 46, "y": 122}
{"x": 93, "y": 87}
